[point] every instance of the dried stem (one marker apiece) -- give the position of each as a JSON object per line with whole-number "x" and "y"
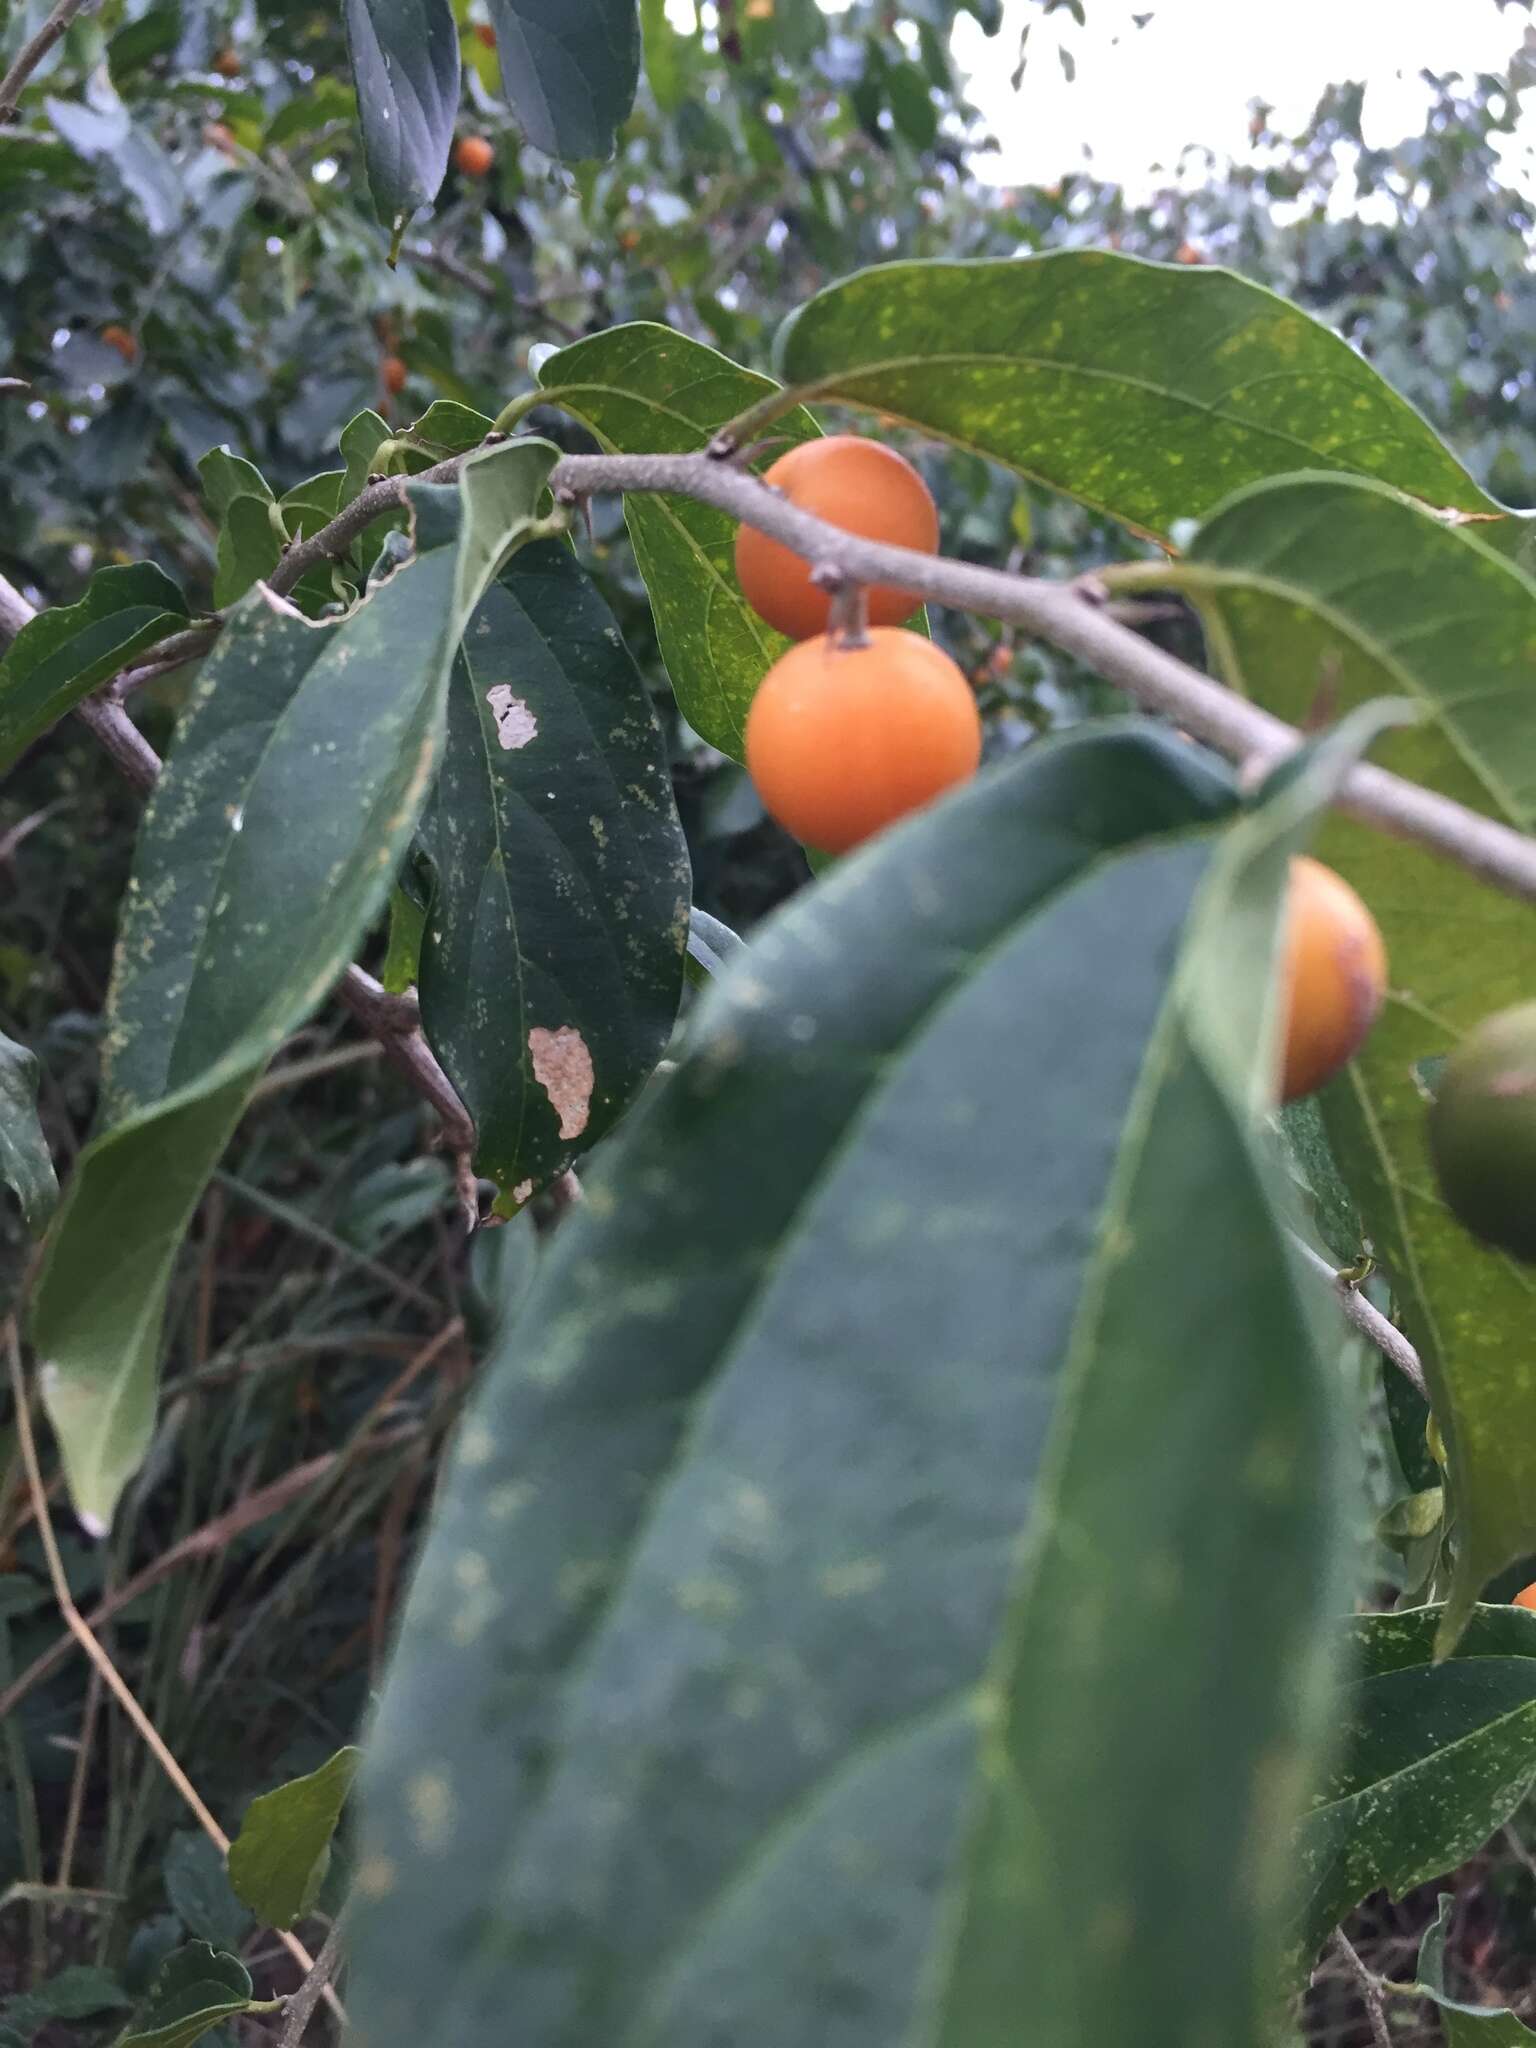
{"x": 111, "y": 1677}
{"x": 1370, "y": 1990}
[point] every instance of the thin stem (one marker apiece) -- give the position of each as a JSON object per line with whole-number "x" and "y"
{"x": 32, "y": 54}
{"x": 300, "y": 2007}
{"x": 1368, "y": 1320}
{"x": 111, "y": 1677}
{"x": 1370, "y": 1990}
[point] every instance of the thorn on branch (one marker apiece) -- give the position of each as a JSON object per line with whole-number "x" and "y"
{"x": 1091, "y": 589}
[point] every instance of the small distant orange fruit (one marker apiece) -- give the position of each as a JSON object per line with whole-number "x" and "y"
{"x": 120, "y": 339}
{"x": 1526, "y": 1597}
{"x": 862, "y": 486}
{"x": 842, "y": 740}
{"x": 474, "y": 156}
{"x": 227, "y": 64}
{"x": 1335, "y": 976}
{"x": 393, "y": 374}
{"x": 1188, "y": 253}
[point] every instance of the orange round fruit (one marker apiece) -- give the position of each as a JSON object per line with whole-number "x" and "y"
{"x": 474, "y": 156}
{"x": 393, "y": 374}
{"x": 1335, "y": 976}
{"x": 227, "y": 64}
{"x": 120, "y": 339}
{"x": 844, "y": 740}
{"x": 1526, "y": 1597}
{"x": 862, "y": 486}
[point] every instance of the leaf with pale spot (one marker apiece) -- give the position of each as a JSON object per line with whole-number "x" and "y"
{"x": 552, "y": 957}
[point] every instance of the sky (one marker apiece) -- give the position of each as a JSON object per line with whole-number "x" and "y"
{"x": 1141, "y": 94}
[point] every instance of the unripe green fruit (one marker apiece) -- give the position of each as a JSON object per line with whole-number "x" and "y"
{"x": 1482, "y": 1131}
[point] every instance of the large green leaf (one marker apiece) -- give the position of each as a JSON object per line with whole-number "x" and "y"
{"x": 1434, "y": 1758}
{"x": 645, "y": 389}
{"x": 63, "y": 653}
{"x": 278, "y": 1861}
{"x": 1149, "y": 390}
{"x": 838, "y": 1624}
{"x": 1463, "y": 2026}
{"x": 552, "y": 960}
{"x": 570, "y": 68}
{"x": 405, "y": 64}
{"x": 266, "y": 851}
{"x": 1334, "y": 587}
{"x": 26, "y": 1165}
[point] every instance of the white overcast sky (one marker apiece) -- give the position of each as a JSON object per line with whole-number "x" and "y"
{"x": 1141, "y": 94}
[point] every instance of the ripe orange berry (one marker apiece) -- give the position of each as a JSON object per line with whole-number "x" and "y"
{"x": 843, "y": 740}
{"x": 393, "y": 374}
{"x": 1188, "y": 253}
{"x": 1335, "y": 976}
{"x": 1526, "y": 1597}
{"x": 859, "y": 485}
{"x": 474, "y": 156}
{"x": 120, "y": 339}
{"x": 227, "y": 64}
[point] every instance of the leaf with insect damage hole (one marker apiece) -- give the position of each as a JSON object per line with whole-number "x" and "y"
{"x": 814, "y": 1641}
{"x": 197, "y": 1989}
{"x": 266, "y": 851}
{"x": 552, "y": 958}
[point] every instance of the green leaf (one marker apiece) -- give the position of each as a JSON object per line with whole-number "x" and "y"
{"x": 402, "y": 958}
{"x": 196, "y": 1989}
{"x": 200, "y": 1893}
{"x": 445, "y": 428}
{"x": 251, "y": 537}
{"x": 76, "y": 1993}
{"x": 1323, "y": 584}
{"x": 1434, "y": 1758}
{"x": 226, "y": 476}
{"x": 61, "y": 655}
{"x": 266, "y": 852}
{"x": 361, "y": 439}
{"x": 278, "y": 1861}
{"x": 405, "y": 65}
{"x": 26, "y": 1166}
{"x": 643, "y": 388}
{"x": 553, "y": 957}
{"x": 1148, "y": 390}
{"x": 1463, "y": 2026}
{"x": 812, "y": 1622}
{"x": 570, "y": 68}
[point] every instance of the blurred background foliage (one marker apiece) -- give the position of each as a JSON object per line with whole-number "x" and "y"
{"x": 189, "y": 257}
